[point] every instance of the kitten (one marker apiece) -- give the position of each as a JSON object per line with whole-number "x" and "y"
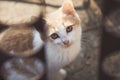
{"x": 20, "y": 40}
{"x": 62, "y": 46}
{"x": 64, "y": 39}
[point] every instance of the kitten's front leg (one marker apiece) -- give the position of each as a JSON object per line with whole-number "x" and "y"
{"x": 63, "y": 73}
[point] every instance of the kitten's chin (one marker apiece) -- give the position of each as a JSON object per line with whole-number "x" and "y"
{"x": 67, "y": 46}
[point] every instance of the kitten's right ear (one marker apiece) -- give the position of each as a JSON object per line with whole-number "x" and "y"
{"x": 67, "y": 7}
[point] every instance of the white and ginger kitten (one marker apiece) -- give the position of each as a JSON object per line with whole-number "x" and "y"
{"x": 64, "y": 39}
{"x": 21, "y": 41}
{"x": 62, "y": 46}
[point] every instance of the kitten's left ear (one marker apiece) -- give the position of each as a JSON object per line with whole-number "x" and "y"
{"x": 68, "y": 8}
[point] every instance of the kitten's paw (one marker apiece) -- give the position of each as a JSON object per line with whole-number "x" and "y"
{"x": 63, "y": 73}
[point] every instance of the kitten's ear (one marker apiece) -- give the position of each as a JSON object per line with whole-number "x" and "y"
{"x": 68, "y": 8}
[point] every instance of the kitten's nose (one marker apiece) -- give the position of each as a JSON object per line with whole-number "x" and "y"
{"x": 66, "y": 42}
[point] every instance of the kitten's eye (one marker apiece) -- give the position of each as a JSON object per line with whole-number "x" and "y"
{"x": 54, "y": 36}
{"x": 69, "y": 29}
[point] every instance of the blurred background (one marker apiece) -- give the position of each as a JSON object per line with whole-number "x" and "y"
{"x": 100, "y": 23}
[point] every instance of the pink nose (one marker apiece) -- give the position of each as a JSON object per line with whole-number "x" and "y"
{"x": 66, "y": 42}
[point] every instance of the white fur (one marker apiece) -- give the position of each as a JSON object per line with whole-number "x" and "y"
{"x": 62, "y": 34}
{"x": 15, "y": 76}
{"x": 37, "y": 42}
{"x": 37, "y": 69}
{"x": 63, "y": 72}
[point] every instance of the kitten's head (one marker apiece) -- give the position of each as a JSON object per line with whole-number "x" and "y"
{"x": 63, "y": 24}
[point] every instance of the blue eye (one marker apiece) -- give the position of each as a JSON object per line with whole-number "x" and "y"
{"x": 69, "y": 29}
{"x": 54, "y": 36}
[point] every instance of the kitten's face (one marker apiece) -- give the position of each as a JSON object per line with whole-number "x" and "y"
{"x": 62, "y": 25}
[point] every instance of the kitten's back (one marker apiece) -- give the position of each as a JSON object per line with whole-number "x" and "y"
{"x": 17, "y": 40}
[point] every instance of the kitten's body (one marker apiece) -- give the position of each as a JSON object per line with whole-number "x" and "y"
{"x": 59, "y": 54}
{"x": 20, "y": 40}
{"x": 62, "y": 50}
